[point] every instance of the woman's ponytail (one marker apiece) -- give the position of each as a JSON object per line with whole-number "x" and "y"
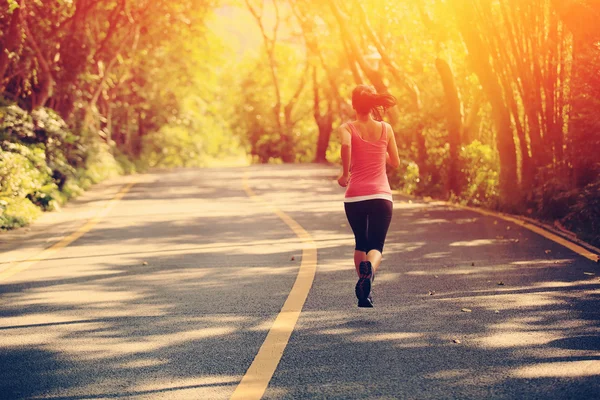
{"x": 381, "y": 103}
{"x": 366, "y": 100}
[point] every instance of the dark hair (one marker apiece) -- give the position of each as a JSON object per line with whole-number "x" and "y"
{"x": 366, "y": 100}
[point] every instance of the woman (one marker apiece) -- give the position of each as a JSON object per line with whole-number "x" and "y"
{"x": 368, "y": 144}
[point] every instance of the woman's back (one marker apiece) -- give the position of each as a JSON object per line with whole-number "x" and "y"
{"x": 370, "y": 130}
{"x": 367, "y": 162}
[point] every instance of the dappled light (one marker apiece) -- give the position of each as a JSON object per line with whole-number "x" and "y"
{"x": 570, "y": 369}
{"x": 478, "y": 242}
{"x": 391, "y": 337}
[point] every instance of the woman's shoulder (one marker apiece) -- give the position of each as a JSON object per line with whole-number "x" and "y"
{"x": 387, "y": 127}
{"x": 346, "y": 127}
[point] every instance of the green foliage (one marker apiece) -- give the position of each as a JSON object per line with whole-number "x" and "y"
{"x": 16, "y": 124}
{"x": 12, "y": 6}
{"x": 172, "y": 146}
{"x": 127, "y": 166}
{"x": 266, "y": 134}
{"x": 22, "y": 170}
{"x": 47, "y": 197}
{"x": 552, "y": 197}
{"x": 583, "y": 216}
{"x": 406, "y": 178}
{"x": 42, "y": 164}
{"x": 479, "y": 174}
{"x": 101, "y": 165}
{"x": 64, "y": 150}
{"x": 15, "y": 213}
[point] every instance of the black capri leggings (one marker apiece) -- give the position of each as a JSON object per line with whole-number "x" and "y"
{"x": 369, "y": 220}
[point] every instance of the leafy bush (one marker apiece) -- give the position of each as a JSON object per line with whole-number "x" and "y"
{"x": 406, "y": 178}
{"x": 48, "y": 197}
{"x": 16, "y": 125}
{"x": 552, "y": 198}
{"x": 126, "y": 165}
{"x": 22, "y": 170}
{"x": 172, "y": 146}
{"x": 583, "y": 217}
{"x": 479, "y": 176}
{"x": 64, "y": 150}
{"x": 17, "y": 212}
{"x": 101, "y": 165}
{"x": 432, "y": 177}
{"x": 43, "y": 164}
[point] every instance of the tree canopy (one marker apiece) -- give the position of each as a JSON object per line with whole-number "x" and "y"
{"x": 497, "y": 101}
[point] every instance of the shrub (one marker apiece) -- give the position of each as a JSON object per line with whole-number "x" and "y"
{"x": 406, "y": 177}
{"x": 17, "y": 212}
{"x": 479, "y": 176}
{"x": 126, "y": 165}
{"x": 48, "y": 197}
{"x": 16, "y": 125}
{"x": 64, "y": 150}
{"x": 22, "y": 170}
{"x": 553, "y": 198}
{"x": 583, "y": 217}
{"x": 100, "y": 164}
{"x": 43, "y": 164}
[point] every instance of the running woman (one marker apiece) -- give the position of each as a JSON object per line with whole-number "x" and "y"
{"x": 368, "y": 144}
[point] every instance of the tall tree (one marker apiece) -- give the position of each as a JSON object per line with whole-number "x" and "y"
{"x": 479, "y": 56}
{"x": 283, "y": 111}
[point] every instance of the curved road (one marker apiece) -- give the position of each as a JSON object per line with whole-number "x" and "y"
{"x": 170, "y": 292}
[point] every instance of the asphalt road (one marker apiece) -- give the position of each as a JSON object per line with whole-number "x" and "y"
{"x": 172, "y": 293}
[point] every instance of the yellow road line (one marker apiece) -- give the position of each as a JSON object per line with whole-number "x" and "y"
{"x": 257, "y": 377}
{"x": 67, "y": 240}
{"x": 540, "y": 231}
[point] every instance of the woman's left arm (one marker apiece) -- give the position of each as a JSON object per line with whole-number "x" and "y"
{"x": 391, "y": 156}
{"x": 346, "y": 139}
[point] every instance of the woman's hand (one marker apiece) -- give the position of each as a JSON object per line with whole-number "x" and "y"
{"x": 343, "y": 180}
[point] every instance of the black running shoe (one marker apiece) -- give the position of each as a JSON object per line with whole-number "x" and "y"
{"x": 367, "y": 303}
{"x": 363, "y": 286}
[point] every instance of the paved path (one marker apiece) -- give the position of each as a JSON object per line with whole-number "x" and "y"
{"x": 172, "y": 294}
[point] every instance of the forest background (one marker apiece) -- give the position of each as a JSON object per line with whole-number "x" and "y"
{"x": 498, "y": 101}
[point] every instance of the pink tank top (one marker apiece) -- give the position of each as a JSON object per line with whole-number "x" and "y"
{"x": 368, "y": 179}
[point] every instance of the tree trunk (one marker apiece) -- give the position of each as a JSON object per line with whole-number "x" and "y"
{"x": 11, "y": 43}
{"x": 472, "y": 120}
{"x": 509, "y": 185}
{"x": 584, "y": 125}
{"x": 324, "y": 123}
{"x": 422, "y": 155}
{"x": 45, "y": 86}
{"x": 454, "y": 119}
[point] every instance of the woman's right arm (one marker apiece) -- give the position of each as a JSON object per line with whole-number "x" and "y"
{"x": 392, "y": 157}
